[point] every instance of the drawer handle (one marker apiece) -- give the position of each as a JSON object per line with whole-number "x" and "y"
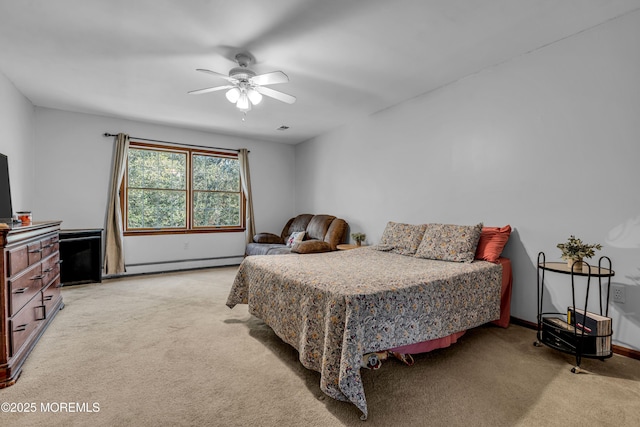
{"x": 44, "y": 315}
{"x": 20, "y": 291}
{"x": 38, "y": 277}
{"x": 21, "y": 328}
{"x": 48, "y": 270}
{"x": 35, "y": 251}
{"x": 47, "y": 246}
{"x": 48, "y": 297}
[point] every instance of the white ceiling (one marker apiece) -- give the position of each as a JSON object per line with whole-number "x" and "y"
{"x": 136, "y": 59}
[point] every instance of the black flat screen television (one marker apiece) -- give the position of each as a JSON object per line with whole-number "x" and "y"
{"x": 6, "y": 209}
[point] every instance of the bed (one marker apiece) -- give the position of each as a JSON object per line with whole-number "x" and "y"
{"x": 336, "y": 307}
{"x": 503, "y": 321}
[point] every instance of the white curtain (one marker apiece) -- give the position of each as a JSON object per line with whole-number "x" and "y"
{"x": 243, "y": 156}
{"x": 114, "y": 246}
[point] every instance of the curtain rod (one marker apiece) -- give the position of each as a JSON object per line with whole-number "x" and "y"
{"x": 176, "y": 143}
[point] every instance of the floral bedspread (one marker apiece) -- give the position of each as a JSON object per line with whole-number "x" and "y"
{"x": 334, "y": 307}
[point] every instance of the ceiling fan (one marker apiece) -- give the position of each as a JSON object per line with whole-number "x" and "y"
{"x": 245, "y": 87}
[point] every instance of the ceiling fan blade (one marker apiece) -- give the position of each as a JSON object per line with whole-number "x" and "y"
{"x": 269, "y": 78}
{"x": 214, "y": 73}
{"x": 280, "y": 96}
{"x": 210, "y": 89}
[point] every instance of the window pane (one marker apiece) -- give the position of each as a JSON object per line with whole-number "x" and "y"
{"x": 215, "y": 209}
{"x": 156, "y": 209}
{"x": 215, "y": 173}
{"x": 174, "y": 190}
{"x": 157, "y": 169}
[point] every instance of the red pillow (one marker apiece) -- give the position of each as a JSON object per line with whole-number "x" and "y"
{"x": 492, "y": 241}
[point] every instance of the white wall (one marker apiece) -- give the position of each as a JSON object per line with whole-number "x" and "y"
{"x": 73, "y": 163}
{"x": 548, "y": 142}
{"x": 17, "y": 123}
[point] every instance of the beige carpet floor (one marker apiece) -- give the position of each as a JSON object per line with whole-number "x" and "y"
{"x": 164, "y": 350}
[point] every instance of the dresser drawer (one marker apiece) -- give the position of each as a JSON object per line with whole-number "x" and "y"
{"x": 49, "y": 246}
{"x": 50, "y": 296}
{"x": 17, "y": 260}
{"x": 23, "y": 287}
{"x": 50, "y": 268}
{"x": 23, "y": 324}
{"x": 34, "y": 251}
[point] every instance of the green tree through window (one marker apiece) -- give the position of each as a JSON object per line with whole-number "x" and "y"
{"x": 181, "y": 190}
{"x": 216, "y": 191}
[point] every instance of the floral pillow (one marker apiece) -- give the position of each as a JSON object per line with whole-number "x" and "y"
{"x": 449, "y": 242}
{"x": 401, "y": 238}
{"x": 295, "y": 237}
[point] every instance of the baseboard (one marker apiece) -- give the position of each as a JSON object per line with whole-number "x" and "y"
{"x": 159, "y": 272}
{"x": 623, "y": 351}
{"x": 172, "y": 266}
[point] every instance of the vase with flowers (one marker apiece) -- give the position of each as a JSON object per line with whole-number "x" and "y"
{"x": 575, "y": 250}
{"x": 358, "y": 238}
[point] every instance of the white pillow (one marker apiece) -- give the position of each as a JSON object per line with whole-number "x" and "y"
{"x": 295, "y": 237}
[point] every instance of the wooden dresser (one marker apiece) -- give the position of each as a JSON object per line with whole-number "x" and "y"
{"x": 30, "y": 294}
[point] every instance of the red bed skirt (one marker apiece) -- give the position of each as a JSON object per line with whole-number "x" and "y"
{"x": 505, "y": 315}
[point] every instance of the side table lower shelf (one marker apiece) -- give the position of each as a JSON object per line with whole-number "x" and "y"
{"x": 563, "y": 339}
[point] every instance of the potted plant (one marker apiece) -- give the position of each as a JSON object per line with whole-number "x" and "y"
{"x": 574, "y": 250}
{"x": 358, "y": 238}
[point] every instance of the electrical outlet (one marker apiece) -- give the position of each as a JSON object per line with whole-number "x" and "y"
{"x": 618, "y": 293}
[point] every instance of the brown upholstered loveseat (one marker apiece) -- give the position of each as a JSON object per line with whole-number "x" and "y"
{"x": 322, "y": 233}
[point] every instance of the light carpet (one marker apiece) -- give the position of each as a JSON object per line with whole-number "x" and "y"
{"x": 164, "y": 350}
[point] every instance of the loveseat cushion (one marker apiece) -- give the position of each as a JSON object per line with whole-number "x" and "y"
{"x": 336, "y": 233}
{"x": 299, "y": 223}
{"x": 266, "y": 249}
{"x": 318, "y": 226}
{"x": 310, "y": 247}
{"x": 267, "y": 238}
{"x": 279, "y": 250}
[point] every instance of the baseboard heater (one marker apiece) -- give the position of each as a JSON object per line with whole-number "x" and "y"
{"x": 177, "y": 261}
{"x": 129, "y": 273}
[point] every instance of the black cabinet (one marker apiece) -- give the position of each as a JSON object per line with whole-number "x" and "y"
{"x": 81, "y": 256}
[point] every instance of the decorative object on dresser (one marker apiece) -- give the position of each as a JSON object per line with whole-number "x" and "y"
{"x": 31, "y": 294}
{"x": 25, "y": 217}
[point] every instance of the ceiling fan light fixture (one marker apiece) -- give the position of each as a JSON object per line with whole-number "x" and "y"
{"x": 254, "y": 96}
{"x": 243, "y": 103}
{"x": 233, "y": 95}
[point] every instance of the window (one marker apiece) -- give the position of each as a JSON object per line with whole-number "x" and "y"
{"x": 181, "y": 190}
